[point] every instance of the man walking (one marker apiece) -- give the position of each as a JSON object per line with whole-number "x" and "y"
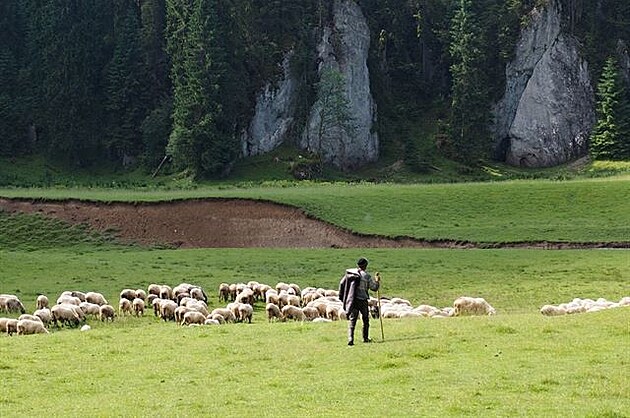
{"x": 353, "y": 292}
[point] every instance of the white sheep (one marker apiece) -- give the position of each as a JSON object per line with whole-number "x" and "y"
{"x": 44, "y": 315}
{"x": 8, "y": 325}
{"x": 90, "y": 308}
{"x": 97, "y": 298}
{"x": 551, "y": 310}
{"x": 42, "y": 302}
{"x": 129, "y": 294}
{"x": 106, "y": 313}
{"x": 310, "y": 313}
{"x": 138, "y": 306}
{"x": 293, "y": 312}
{"x": 28, "y": 326}
{"x": 245, "y": 312}
{"x": 153, "y": 289}
{"x": 11, "y": 303}
{"x": 273, "y": 312}
{"x": 124, "y": 307}
{"x": 141, "y": 294}
{"x": 193, "y": 317}
{"x": 466, "y": 305}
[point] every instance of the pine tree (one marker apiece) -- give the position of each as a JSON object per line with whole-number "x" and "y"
{"x": 610, "y": 138}
{"x": 125, "y": 88}
{"x": 200, "y": 142}
{"x": 469, "y": 100}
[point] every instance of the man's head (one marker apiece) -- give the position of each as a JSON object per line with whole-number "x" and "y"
{"x": 362, "y": 263}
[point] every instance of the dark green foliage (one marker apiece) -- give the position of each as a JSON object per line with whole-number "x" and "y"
{"x": 611, "y": 134}
{"x": 470, "y": 110}
{"x": 125, "y": 91}
{"x": 333, "y": 106}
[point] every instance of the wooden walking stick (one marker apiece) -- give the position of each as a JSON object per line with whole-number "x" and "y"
{"x": 378, "y": 295}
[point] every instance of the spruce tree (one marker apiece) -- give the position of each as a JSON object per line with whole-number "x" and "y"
{"x": 610, "y": 138}
{"x": 199, "y": 142}
{"x": 470, "y": 113}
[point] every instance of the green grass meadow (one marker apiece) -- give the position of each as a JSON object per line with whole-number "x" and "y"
{"x": 517, "y": 363}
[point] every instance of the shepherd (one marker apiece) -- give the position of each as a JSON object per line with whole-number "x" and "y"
{"x": 353, "y": 292}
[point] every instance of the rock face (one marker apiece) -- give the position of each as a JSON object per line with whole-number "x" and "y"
{"x": 344, "y": 48}
{"x": 547, "y": 112}
{"x": 624, "y": 60}
{"x": 274, "y": 114}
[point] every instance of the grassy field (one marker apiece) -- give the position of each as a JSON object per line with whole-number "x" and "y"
{"x": 578, "y": 211}
{"x": 517, "y": 363}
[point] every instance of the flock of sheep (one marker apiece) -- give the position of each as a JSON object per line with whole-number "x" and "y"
{"x": 187, "y": 304}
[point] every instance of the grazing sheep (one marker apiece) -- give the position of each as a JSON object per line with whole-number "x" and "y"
{"x": 273, "y": 312}
{"x": 211, "y": 321}
{"x": 232, "y": 289}
{"x": 551, "y": 310}
{"x": 180, "y": 311}
{"x": 260, "y": 291}
{"x": 153, "y": 289}
{"x": 167, "y": 310}
{"x": 245, "y": 296}
{"x": 11, "y": 303}
{"x": 281, "y": 286}
{"x": 156, "y": 306}
{"x": 245, "y": 312}
{"x": 107, "y": 313}
{"x": 42, "y": 302}
{"x": 472, "y": 306}
{"x": 166, "y": 292}
{"x": 8, "y": 325}
{"x": 293, "y": 300}
{"x": 97, "y": 298}
{"x": 225, "y": 313}
{"x": 224, "y": 292}
{"x": 216, "y": 317}
{"x": 310, "y": 313}
{"x": 29, "y": 317}
{"x": 67, "y": 314}
{"x": 199, "y": 306}
{"x": 28, "y": 326}
{"x": 128, "y": 294}
{"x": 44, "y": 315}
{"x": 272, "y": 297}
{"x": 199, "y": 294}
{"x": 138, "y": 306}
{"x": 124, "y": 307}
{"x": 66, "y": 298}
{"x": 79, "y": 295}
{"x": 193, "y": 317}
{"x": 90, "y": 308}
{"x": 151, "y": 298}
{"x": 293, "y": 312}
{"x": 141, "y": 294}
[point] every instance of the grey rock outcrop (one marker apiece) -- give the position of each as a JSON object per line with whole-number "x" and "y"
{"x": 547, "y": 112}
{"x": 624, "y": 60}
{"x": 344, "y": 48}
{"x": 273, "y": 116}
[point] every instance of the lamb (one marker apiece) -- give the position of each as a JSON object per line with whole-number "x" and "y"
{"x": 624, "y": 301}
{"x": 107, "y": 313}
{"x": 273, "y": 312}
{"x": 193, "y": 317}
{"x": 138, "y": 306}
{"x": 27, "y": 326}
{"x": 180, "y": 311}
{"x": 293, "y": 312}
{"x": 8, "y": 325}
{"x": 211, "y": 321}
{"x": 42, "y": 302}
{"x": 472, "y": 306}
{"x": 199, "y": 294}
{"x": 216, "y": 317}
{"x": 232, "y": 289}
{"x": 128, "y": 294}
{"x": 124, "y": 307}
{"x": 97, "y": 298}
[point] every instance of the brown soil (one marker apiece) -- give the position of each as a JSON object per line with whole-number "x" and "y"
{"x": 229, "y": 223}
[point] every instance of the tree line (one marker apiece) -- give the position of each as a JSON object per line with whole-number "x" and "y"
{"x": 130, "y": 81}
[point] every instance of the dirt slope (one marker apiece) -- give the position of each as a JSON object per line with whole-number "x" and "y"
{"x": 226, "y": 223}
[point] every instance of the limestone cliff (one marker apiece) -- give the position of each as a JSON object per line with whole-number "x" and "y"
{"x": 344, "y": 48}
{"x": 546, "y": 114}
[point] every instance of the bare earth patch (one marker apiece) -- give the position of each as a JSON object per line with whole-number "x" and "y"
{"x": 230, "y": 223}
